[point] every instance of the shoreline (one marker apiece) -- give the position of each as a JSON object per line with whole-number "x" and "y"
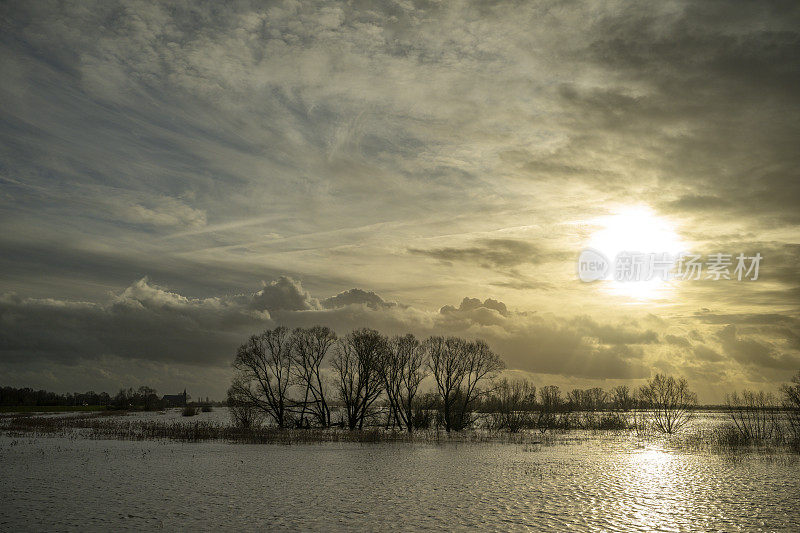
{"x": 117, "y": 425}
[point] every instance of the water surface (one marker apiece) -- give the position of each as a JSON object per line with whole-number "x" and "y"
{"x": 601, "y": 482}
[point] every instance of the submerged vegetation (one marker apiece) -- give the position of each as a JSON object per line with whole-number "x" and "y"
{"x": 375, "y": 380}
{"x": 375, "y": 383}
{"x": 512, "y": 412}
{"x": 309, "y": 385}
{"x": 114, "y": 425}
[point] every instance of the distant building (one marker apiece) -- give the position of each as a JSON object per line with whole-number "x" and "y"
{"x": 174, "y": 400}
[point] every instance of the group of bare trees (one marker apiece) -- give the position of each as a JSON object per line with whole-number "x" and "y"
{"x": 791, "y": 402}
{"x": 664, "y": 402}
{"x": 281, "y": 374}
{"x": 760, "y": 417}
{"x": 293, "y": 377}
{"x": 273, "y": 365}
{"x": 755, "y": 415}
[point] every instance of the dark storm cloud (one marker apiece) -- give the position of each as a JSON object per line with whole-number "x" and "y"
{"x": 149, "y": 323}
{"x": 143, "y": 322}
{"x": 157, "y": 326}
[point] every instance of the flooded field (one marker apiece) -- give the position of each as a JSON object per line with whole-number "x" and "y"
{"x": 579, "y": 481}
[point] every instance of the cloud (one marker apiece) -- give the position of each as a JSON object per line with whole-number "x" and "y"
{"x": 151, "y": 323}
{"x": 576, "y": 346}
{"x": 749, "y": 351}
{"x": 142, "y": 322}
{"x": 487, "y": 253}
{"x": 747, "y": 318}
{"x": 473, "y": 308}
{"x": 159, "y": 212}
{"x": 428, "y": 152}
{"x": 552, "y": 346}
{"x": 614, "y": 334}
{"x": 283, "y": 294}
{"x": 356, "y": 297}
{"x": 677, "y": 341}
{"x": 704, "y": 353}
{"x": 158, "y": 326}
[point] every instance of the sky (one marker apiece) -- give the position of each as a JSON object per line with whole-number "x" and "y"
{"x": 175, "y": 177}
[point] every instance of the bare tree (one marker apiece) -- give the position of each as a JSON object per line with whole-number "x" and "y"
{"x": 755, "y": 414}
{"x": 445, "y": 363}
{"x": 459, "y": 367}
{"x": 575, "y": 399}
{"x": 358, "y": 361}
{"x": 791, "y": 401}
{"x": 404, "y": 368}
{"x": 550, "y": 403}
{"x": 309, "y": 348}
{"x": 481, "y": 364}
{"x": 514, "y": 401}
{"x": 244, "y": 413}
{"x": 670, "y": 401}
{"x": 621, "y": 398}
{"x": 596, "y": 399}
{"x": 264, "y": 365}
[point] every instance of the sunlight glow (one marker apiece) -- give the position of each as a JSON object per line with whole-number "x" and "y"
{"x": 636, "y": 229}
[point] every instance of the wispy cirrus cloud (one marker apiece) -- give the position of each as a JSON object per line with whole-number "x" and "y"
{"x": 421, "y": 152}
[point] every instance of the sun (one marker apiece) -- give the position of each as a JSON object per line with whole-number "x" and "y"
{"x": 635, "y": 229}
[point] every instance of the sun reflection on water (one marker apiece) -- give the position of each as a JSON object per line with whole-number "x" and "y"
{"x": 654, "y": 486}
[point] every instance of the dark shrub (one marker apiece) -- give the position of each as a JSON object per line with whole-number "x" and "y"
{"x": 612, "y": 421}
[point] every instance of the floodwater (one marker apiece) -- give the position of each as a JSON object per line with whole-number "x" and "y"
{"x": 600, "y": 482}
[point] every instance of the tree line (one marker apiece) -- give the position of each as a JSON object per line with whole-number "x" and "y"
{"x": 142, "y": 398}
{"x": 515, "y": 405}
{"x": 279, "y": 375}
{"x": 11, "y": 396}
{"x": 293, "y": 378}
